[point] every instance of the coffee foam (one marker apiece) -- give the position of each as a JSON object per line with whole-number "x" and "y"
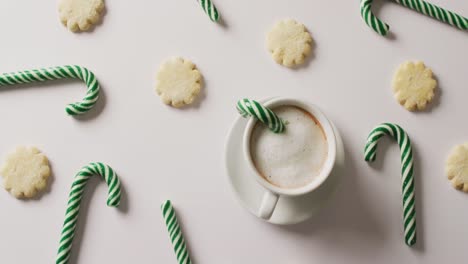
{"x": 295, "y": 157}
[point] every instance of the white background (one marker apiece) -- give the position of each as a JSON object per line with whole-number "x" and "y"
{"x": 164, "y": 153}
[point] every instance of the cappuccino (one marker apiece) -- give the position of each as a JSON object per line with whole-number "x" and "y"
{"x": 294, "y": 158}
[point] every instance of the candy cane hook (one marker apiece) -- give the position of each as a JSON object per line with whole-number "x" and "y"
{"x": 409, "y": 210}
{"x": 73, "y": 208}
{"x": 56, "y": 73}
{"x": 247, "y": 107}
{"x": 421, "y": 6}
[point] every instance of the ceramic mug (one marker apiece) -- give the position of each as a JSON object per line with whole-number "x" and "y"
{"x": 273, "y": 192}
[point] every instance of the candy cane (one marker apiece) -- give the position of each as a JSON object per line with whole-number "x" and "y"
{"x": 175, "y": 233}
{"x": 210, "y": 9}
{"x": 421, "y": 6}
{"x": 409, "y": 210}
{"x": 56, "y": 73}
{"x": 247, "y": 107}
{"x": 71, "y": 216}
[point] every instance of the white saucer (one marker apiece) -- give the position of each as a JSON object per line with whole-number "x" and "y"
{"x": 289, "y": 210}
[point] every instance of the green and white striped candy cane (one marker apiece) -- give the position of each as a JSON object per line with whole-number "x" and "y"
{"x": 409, "y": 210}
{"x": 56, "y": 73}
{"x": 175, "y": 233}
{"x": 74, "y": 200}
{"x": 247, "y": 107}
{"x": 421, "y": 6}
{"x": 210, "y": 9}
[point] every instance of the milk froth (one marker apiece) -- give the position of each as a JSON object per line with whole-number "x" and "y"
{"x": 293, "y": 158}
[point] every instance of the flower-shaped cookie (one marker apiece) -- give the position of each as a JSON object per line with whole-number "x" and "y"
{"x": 414, "y": 85}
{"x": 80, "y": 15}
{"x": 289, "y": 43}
{"x": 178, "y": 82}
{"x": 456, "y": 167}
{"x": 25, "y": 172}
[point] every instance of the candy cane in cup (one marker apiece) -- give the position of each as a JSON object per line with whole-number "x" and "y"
{"x": 57, "y": 73}
{"x": 421, "y": 6}
{"x": 322, "y": 132}
{"x": 247, "y": 107}
{"x": 409, "y": 206}
{"x": 76, "y": 194}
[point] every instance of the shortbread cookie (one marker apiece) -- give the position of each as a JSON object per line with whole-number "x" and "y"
{"x": 178, "y": 82}
{"x": 80, "y": 15}
{"x": 414, "y": 85}
{"x": 25, "y": 172}
{"x": 456, "y": 167}
{"x": 289, "y": 43}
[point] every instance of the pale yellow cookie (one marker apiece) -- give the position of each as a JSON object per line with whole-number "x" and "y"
{"x": 178, "y": 82}
{"x": 25, "y": 172}
{"x": 80, "y": 15}
{"x": 289, "y": 43}
{"x": 456, "y": 167}
{"x": 414, "y": 85}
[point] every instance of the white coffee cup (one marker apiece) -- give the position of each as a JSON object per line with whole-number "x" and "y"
{"x": 273, "y": 192}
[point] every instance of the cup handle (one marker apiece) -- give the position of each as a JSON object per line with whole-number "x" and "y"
{"x": 268, "y": 205}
